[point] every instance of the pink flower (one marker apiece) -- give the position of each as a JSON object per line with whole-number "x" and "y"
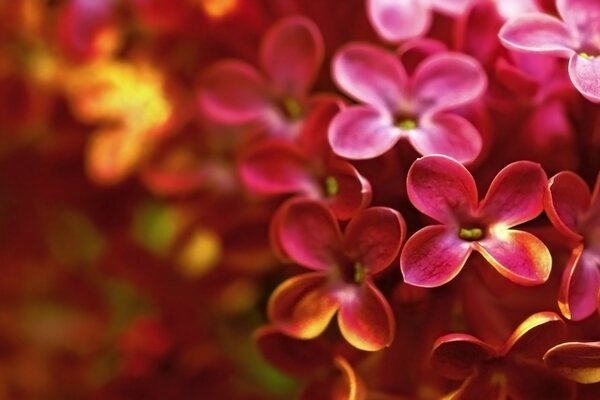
{"x": 308, "y": 167}
{"x": 343, "y": 268}
{"x": 398, "y": 107}
{"x": 396, "y": 20}
{"x": 443, "y": 189}
{"x": 576, "y": 213}
{"x": 513, "y": 370}
{"x": 576, "y": 37}
{"x": 233, "y": 92}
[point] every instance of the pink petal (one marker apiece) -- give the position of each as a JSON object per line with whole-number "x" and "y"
{"x": 456, "y": 8}
{"x": 370, "y": 75}
{"x": 312, "y": 138}
{"x": 302, "y": 306}
{"x": 362, "y": 132}
{"x": 580, "y": 285}
{"x": 274, "y": 167}
{"x": 374, "y": 236}
{"x": 233, "y": 92}
{"x": 538, "y": 33}
{"x": 585, "y": 75}
{"x": 292, "y": 53}
{"x": 518, "y": 256}
{"x": 309, "y": 234}
{"x": 433, "y": 256}
{"x": 516, "y": 194}
{"x": 577, "y": 361}
{"x": 366, "y": 319}
{"x": 447, "y": 80}
{"x": 293, "y": 356}
{"x": 534, "y": 336}
{"x": 396, "y": 20}
{"x": 528, "y": 379}
{"x": 567, "y": 198}
{"x": 457, "y": 355}
{"x": 353, "y": 190}
{"x": 583, "y": 17}
{"x": 441, "y": 188}
{"x": 447, "y": 134}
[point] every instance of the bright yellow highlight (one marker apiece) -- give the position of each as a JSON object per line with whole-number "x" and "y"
{"x": 218, "y": 8}
{"x": 331, "y": 186}
{"x": 470, "y": 234}
{"x": 407, "y": 124}
{"x": 359, "y": 273}
{"x": 586, "y": 56}
{"x": 201, "y": 253}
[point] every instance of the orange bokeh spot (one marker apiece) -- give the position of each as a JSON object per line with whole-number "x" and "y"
{"x": 218, "y": 8}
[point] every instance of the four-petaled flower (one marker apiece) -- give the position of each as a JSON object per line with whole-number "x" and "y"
{"x": 344, "y": 265}
{"x": 443, "y": 189}
{"x": 576, "y": 213}
{"x": 513, "y": 370}
{"x": 398, "y": 107}
{"x": 576, "y": 37}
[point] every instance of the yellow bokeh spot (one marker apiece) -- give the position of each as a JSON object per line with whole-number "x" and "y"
{"x": 201, "y": 253}
{"x": 218, "y": 8}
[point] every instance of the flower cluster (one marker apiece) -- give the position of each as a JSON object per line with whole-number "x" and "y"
{"x": 274, "y": 199}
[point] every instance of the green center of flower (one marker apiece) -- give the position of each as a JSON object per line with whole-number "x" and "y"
{"x": 359, "y": 272}
{"x": 332, "y": 186}
{"x": 407, "y": 124}
{"x": 291, "y": 108}
{"x": 587, "y": 56}
{"x": 470, "y": 233}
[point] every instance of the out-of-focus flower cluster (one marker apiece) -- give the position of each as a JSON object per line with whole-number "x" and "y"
{"x": 275, "y": 199}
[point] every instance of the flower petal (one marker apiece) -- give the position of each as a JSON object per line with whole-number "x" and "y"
{"x": 447, "y": 80}
{"x": 370, "y": 75}
{"x": 374, "y": 237}
{"x": 293, "y": 356}
{"x": 309, "y": 233}
{"x": 433, "y": 256}
{"x": 516, "y": 194}
{"x": 396, "y": 20}
{"x": 292, "y": 53}
{"x": 233, "y": 92}
{"x": 447, "y": 134}
{"x": 582, "y": 16}
{"x": 484, "y": 384}
{"x": 302, "y": 306}
{"x": 527, "y": 379}
{"x": 457, "y": 355}
{"x": 353, "y": 190}
{"x": 519, "y": 256}
{"x": 567, "y": 198}
{"x": 579, "y": 287}
{"x": 538, "y": 33}
{"x": 362, "y": 132}
{"x": 441, "y": 188}
{"x": 585, "y": 75}
{"x": 578, "y": 361}
{"x": 365, "y": 318}
{"x": 534, "y": 336}
{"x": 274, "y": 167}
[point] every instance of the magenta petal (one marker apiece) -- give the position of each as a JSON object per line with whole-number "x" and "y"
{"x": 274, "y": 168}
{"x": 538, "y": 33}
{"x": 585, "y": 75}
{"x": 583, "y": 17}
{"x": 457, "y": 355}
{"x": 441, "y": 188}
{"x": 292, "y": 53}
{"x": 447, "y": 134}
{"x": 447, "y": 80}
{"x": 578, "y": 361}
{"x": 433, "y": 256}
{"x": 516, "y": 194}
{"x": 353, "y": 190}
{"x": 303, "y": 305}
{"x": 519, "y": 256}
{"x": 396, "y": 20}
{"x": 370, "y": 75}
{"x": 580, "y": 285}
{"x": 374, "y": 236}
{"x": 309, "y": 234}
{"x": 365, "y": 318}
{"x": 456, "y": 8}
{"x": 567, "y": 198}
{"x": 362, "y": 132}
{"x": 233, "y": 92}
